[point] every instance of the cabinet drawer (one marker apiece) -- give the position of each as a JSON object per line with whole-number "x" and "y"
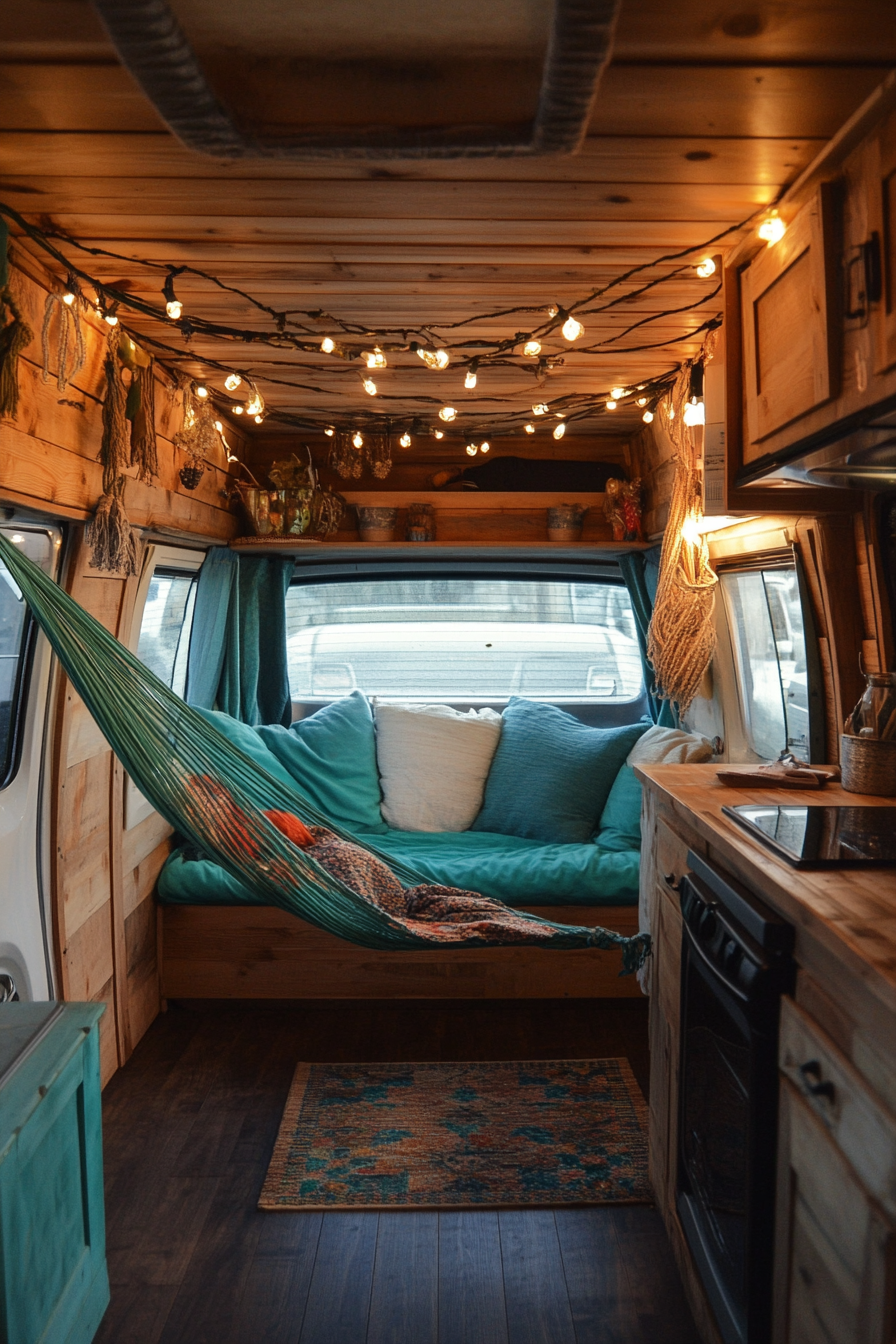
{"x": 862, "y": 1128}
{"x": 671, "y": 856}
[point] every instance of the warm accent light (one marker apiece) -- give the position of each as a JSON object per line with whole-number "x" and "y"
{"x": 541, "y": 409}
{"x": 472, "y": 450}
{"x": 572, "y": 329}
{"x": 405, "y": 440}
{"x": 470, "y": 380}
{"x": 232, "y": 382}
{"x": 329, "y": 431}
{"x": 694, "y": 413}
{"x": 369, "y": 386}
{"x": 647, "y": 417}
{"x": 438, "y": 434}
{"x": 706, "y": 268}
{"x": 530, "y": 429}
{"x": 559, "y": 430}
{"x": 611, "y": 405}
{"x": 484, "y": 447}
{"x": 375, "y": 358}
{"x": 328, "y": 345}
{"x": 358, "y": 439}
{"x": 435, "y": 359}
{"x": 532, "y": 348}
{"x": 617, "y": 392}
{"x": 772, "y": 229}
{"x": 448, "y": 413}
{"x": 68, "y": 297}
{"x": 202, "y": 392}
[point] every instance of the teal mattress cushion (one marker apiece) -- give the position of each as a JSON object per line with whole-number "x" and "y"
{"x": 513, "y": 870}
{"x": 332, "y": 757}
{"x": 620, "y": 821}
{"x": 552, "y": 775}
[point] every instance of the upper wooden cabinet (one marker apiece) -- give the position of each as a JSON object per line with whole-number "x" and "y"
{"x": 790, "y": 322}
{"x": 882, "y": 217}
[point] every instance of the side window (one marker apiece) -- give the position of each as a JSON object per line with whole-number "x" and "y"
{"x": 164, "y": 641}
{"x": 16, "y": 636}
{"x": 765, "y": 616}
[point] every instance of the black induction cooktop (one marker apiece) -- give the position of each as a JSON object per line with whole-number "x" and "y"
{"x": 815, "y": 836}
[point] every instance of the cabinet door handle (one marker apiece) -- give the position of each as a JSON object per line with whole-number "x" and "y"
{"x": 819, "y": 1087}
{"x": 669, "y": 879}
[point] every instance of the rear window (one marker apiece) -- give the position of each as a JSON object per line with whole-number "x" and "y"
{"x": 16, "y": 632}
{"x": 462, "y": 639}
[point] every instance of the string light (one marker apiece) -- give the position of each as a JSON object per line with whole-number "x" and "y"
{"x": 552, "y": 311}
{"x": 642, "y": 401}
{"x": 202, "y": 392}
{"x": 375, "y": 358}
{"x": 617, "y": 392}
{"x": 690, "y": 532}
{"x": 259, "y": 419}
{"x": 256, "y": 405}
{"x": 358, "y": 439}
{"x": 559, "y": 430}
{"x": 232, "y": 382}
{"x": 530, "y": 429}
{"x": 472, "y": 450}
{"x": 219, "y": 427}
{"x": 484, "y": 447}
{"x": 369, "y": 386}
{"x": 541, "y": 408}
{"x": 405, "y": 440}
{"x": 438, "y": 433}
{"x": 572, "y": 329}
{"x": 611, "y": 405}
{"x": 694, "y": 413}
{"x": 173, "y": 306}
{"x": 647, "y": 417}
{"x": 470, "y": 379}
{"x": 329, "y": 431}
{"x": 434, "y": 359}
{"x": 111, "y": 319}
{"x": 237, "y": 410}
{"x": 772, "y": 229}
{"x": 706, "y": 268}
{"x": 68, "y": 297}
{"x": 328, "y": 345}
{"x": 532, "y": 348}
{"x": 448, "y": 413}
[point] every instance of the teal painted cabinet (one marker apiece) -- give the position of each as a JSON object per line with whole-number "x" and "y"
{"x": 54, "y": 1286}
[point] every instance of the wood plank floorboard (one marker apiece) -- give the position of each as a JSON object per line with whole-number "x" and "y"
{"x": 189, "y": 1125}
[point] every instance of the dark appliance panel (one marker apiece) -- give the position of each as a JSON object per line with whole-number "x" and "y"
{"x": 736, "y": 963}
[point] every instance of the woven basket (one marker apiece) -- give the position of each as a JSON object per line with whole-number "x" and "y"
{"x": 868, "y": 765}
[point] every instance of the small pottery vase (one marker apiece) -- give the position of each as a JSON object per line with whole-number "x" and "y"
{"x": 565, "y": 522}
{"x": 376, "y": 523}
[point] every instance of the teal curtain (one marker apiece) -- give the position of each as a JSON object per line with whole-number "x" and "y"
{"x": 237, "y": 657}
{"x": 640, "y": 569}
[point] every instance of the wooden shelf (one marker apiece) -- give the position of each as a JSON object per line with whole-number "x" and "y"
{"x": 285, "y": 545}
{"x": 473, "y": 501}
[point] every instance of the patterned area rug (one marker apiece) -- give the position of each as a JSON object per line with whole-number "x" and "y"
{"x": 460, "y": 1136}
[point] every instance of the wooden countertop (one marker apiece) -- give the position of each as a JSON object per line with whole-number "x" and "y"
{"x": 848, "y": 914}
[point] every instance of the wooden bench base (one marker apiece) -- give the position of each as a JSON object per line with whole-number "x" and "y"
{"x": 259, "y": 952}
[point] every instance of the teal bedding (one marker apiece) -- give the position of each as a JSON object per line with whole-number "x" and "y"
{"x": 517, "y": 872}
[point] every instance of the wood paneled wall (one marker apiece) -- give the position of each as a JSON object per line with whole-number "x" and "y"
{"x": 102, "y": 876}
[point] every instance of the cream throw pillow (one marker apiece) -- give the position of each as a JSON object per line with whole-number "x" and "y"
{"x": 669, "y": 746}
{"x": 433, "y": 763}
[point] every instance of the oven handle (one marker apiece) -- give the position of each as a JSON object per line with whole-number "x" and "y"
{"x": 733, "y": 989}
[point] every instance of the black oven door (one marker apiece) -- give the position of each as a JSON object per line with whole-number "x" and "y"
{"x": 727, "y": 1124}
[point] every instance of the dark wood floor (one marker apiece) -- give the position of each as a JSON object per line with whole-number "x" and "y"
{"x": 189, "y": 1127}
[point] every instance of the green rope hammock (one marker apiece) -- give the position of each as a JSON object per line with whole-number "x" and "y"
{"x": 214, "y": 795}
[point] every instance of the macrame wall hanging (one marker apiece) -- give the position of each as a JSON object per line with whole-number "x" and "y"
{"x": 71, "y": 350}
{"x": 681, "y": 638}
{"x": 108, "y": 534}
{"x": 199, "y": 437}
{"x": 15, "y": 334}
{"x": 351, "y": 450}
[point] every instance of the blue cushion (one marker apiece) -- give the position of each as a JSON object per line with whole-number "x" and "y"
{"x": 620, "y": 821}
{"x": 246, "y": 738}
{"x": 332, "y": 757}
{"x": 552, "y": 775}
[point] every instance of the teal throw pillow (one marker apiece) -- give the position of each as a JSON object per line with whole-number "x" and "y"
{"x": 620, "y": 821}
{"x": 552, "y": 775}
{"x": 331, "y": 755}
{"x": 246, "y": 738}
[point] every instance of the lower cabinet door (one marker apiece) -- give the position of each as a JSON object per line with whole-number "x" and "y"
{"x": 835, "y": 1248}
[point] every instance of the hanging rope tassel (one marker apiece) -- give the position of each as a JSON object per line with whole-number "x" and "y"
{"x": 13, "y": 338}
{"x": 144, "y": 449}
{"x": 115, "y": 450}
{"x": 109, "y": 533}
{"x": 70, "y": 336}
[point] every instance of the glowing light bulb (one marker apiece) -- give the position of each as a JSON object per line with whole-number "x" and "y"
{"x": 237, "y": 410}
{"x": 375, "y": 358}
{"x": 68, "y": 297}
{"x": 671, "y": 411}
{"x": 690, "y": 532}
{"x": 647, "y": 417}
{"x": 232, "y": 382}
{"x": 369, "y": 387}
{"x": 617, "y": 392}
{"x": 552, "y": 311}
{"x": 202, "y": 392}
{"x": 572, "y": 329}
{"x": 405, "y": 440}
{"x": 484, "y": 447}
{"x": 328, "y": 345}
{"x": 559, "y": 430}
{"x": 541, "y": 409}
{"x": 358, "y": 439}
{"x": 448, "y": 413}
{"x": 530, "y": 429}
{"x": 259, "y": 419}
{"x": 470, "y": 380}
{"x": 472, "y": 450}
{"x": 174, "y": 308}
{"x": 329, "y": 431}
{"x": 611, "y": 405}
{"x": 694, "y": 413}
{"x": 256, "y": 405}
{"x": 219, "y": 427}
{"x": 435, "y": 359}
{"x": 111, "y": 319}
{"x": 642, "y": 401}
{"x": 532, "y": 348}
{"x": 438, "y": 434}
{"x": 706, "y": 268}
{"x": 442, "y": 359}
{"x": 772, "y": 229}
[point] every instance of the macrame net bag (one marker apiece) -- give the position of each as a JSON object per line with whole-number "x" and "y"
{"x": 681, "y": 638}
